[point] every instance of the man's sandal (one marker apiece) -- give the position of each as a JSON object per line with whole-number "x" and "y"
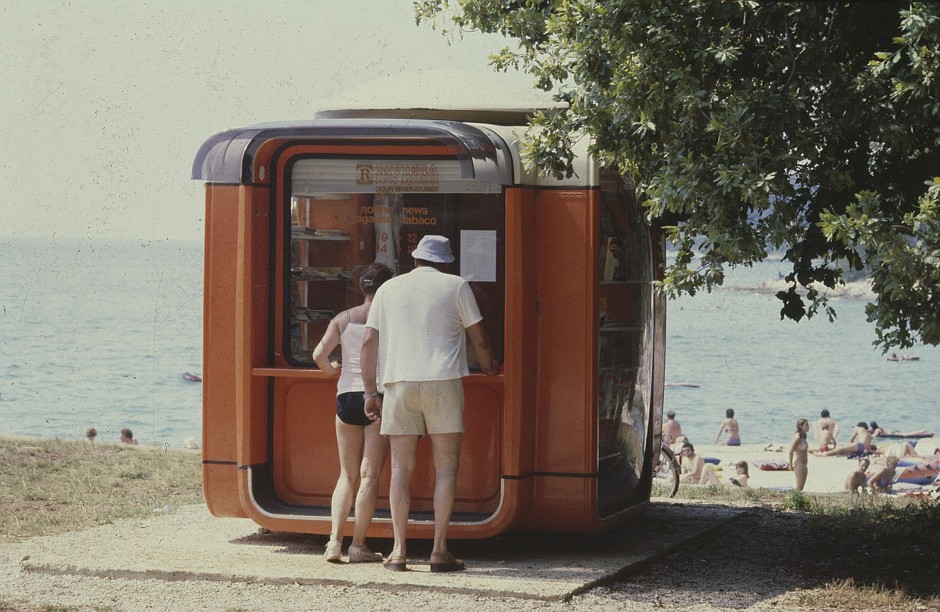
{"x": 445, "y": 562}
{"x": 396, "y": 564}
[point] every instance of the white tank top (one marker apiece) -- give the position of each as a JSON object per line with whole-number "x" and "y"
{"x": 350, "y": 339}
{"x": 350, "y": 377}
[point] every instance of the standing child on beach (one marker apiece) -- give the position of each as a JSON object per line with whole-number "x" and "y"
{"x": 799, "y": 453}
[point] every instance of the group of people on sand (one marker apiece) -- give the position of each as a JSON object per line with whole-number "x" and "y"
{"x": 403, "y": 358}
{"x": 875, "y": 478}
{"x": 879, "y": 477}
{"x": 824, "y": 430}
{"x": 693, "y": 467}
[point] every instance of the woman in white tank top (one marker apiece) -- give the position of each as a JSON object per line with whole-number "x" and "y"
{"x": 362, "y": 450}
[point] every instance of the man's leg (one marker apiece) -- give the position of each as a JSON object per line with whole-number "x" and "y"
{"x": 446, "y": 449}
{"x": 404, "y": 449}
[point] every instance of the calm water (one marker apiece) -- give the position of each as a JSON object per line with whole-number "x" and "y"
{"x": 99, "y": 334}
{"x": 771, "y": 372}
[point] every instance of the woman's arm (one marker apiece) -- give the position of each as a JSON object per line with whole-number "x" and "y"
{"x": 321, "y": 354}
{"x": 721, "y": 430}
{"x": 873, "y": 481}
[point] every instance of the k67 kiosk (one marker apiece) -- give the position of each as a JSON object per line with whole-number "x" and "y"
{"x": 564, "y": 438}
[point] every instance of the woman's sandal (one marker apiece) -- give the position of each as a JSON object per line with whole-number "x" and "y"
{"x": 334, "y": 550}
{"x": 362, "y": 554}
{"x": 445, "y": 562}
{"x": 396, "y": 564}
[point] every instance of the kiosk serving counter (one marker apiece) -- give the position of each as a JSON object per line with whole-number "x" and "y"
{"x": 564, "y": 438}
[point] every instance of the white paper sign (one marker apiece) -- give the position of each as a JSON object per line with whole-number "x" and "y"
{"x": 478, "y": 255}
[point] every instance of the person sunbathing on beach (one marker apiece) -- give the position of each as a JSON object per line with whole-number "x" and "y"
{"x": 671, "y": 428}
{"x": 731, "y": 426}
{"x": 898, "y": 449}
{"x": 859, "y": 444}
{"x": 879, "y": 432}
{"x": 741, "y": 479}
{"x": 694, "y": 468}
{"x": 825, "y": 419}
{"x": 824, "y": 438}
{"x": 883, "y": 479}
{"x": 857, "y": 482}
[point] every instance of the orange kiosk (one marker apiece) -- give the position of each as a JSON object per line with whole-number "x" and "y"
{"x": 565, "y": 438}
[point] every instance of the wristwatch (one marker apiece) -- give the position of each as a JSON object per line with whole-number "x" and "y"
{"x": 367, "y": 395}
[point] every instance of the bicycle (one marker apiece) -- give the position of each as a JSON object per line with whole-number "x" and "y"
{"x": 666, "y": 471}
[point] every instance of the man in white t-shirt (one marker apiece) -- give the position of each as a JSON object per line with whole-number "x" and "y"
{"x": 417, "y": 329}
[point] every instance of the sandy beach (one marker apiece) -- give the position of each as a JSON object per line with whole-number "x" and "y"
{"x": 826, "y": 474}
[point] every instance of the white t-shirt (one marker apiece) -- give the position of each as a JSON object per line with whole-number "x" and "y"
{"x": 421, "y": 318}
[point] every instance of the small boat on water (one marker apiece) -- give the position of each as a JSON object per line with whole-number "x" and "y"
{"x": 191, "y": 377}
{"x": 896, "y": 357}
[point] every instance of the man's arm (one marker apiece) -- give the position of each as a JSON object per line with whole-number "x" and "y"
{"x": 368, "y": 358}
{"x": 481, "y": 346}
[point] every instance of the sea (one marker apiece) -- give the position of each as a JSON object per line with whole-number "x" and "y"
{"x": 100, "y": 334}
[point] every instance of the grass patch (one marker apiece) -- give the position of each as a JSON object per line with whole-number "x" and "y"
{"x": 898, "y": 538}
{"x": 53, "y": 486}
{"x": 879, "y": 551}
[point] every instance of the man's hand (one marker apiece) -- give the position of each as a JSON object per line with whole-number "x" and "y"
{"x": 373, "y": 408}
{"x": 493, "y": 369}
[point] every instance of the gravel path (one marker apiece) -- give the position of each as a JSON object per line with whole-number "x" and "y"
{"x": 755, "y": 562}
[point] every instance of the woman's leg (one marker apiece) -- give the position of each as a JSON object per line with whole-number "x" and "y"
{"x": 800, "y": 471}
{"x": 845, "y": 449}
{"x": 349, "y": 440}
{"x": 375, "y": 451}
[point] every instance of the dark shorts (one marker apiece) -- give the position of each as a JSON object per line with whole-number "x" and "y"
{"x": 350, "y": 408}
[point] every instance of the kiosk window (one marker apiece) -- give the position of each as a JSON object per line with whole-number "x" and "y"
{"x": 335, "y": 235}
{"x": 624, "y": 344}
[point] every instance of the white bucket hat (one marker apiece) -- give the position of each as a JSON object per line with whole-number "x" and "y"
{"x": 435, "y": 249}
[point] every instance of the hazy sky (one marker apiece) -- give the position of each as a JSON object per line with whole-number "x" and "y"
{"x": 104, "y": 103}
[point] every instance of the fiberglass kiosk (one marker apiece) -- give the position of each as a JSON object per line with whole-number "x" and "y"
{"x": 564, "y": 438}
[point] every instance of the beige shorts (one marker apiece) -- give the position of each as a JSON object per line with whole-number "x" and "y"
{"x": 409, "y": 408}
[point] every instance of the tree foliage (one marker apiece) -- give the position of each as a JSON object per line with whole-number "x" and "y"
{"x": 747, "y": 127}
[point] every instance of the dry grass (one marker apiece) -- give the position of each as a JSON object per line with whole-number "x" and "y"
{"x": 53, "y": 486}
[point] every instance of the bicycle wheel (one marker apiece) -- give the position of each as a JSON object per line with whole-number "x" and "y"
{"x": 666, "y": 475}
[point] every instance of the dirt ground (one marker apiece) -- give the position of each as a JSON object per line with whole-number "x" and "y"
{"x": 779, "y": 560}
